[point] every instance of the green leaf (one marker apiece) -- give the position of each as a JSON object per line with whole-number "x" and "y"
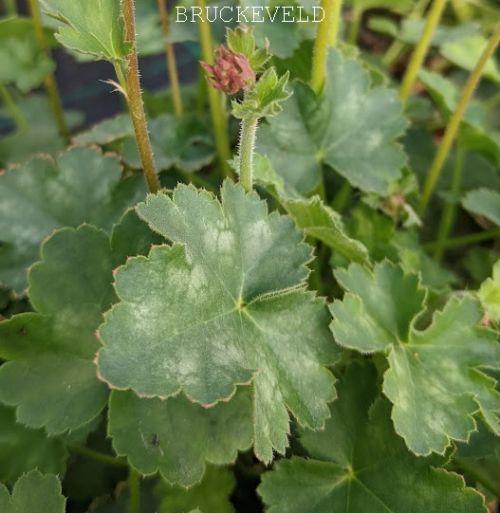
{"x": 183, "y": 143}
{"x": 93, "y": 27}
{"x": 80, "y": 185}
{"x": 433, "y": 380}
{"x": 241, "y": 40}
{"x": 360, "y": 464}
{"x": 22, "y": 449}
{"x": 351, "y": 127}
{"x": 489, "y": 294}
{"x": 22, "y": 62}
{"x": 211, "y": 495}
{"x": 223, "y": 306}
{"x": 33, "y": 492}
{"x": 484, "y": 203}
{"x": 40, "y": 136}
{"x": 311, "y": 215}
{"x": 50, "y": 376}
{"x": 176, "y": 437}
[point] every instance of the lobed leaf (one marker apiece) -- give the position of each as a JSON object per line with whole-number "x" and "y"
{"x": 485, "y": 203}
{"x": 360, "y": 464}
{"x": 489, "y": 294}
{"x": 223, "y": 306}
{"x": 434, "y": 379}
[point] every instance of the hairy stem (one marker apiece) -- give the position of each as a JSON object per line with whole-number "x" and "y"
{"x": 420, "y": 52}
{"x": 465, "y": 240}
{"x": 215, "y": 98}
{"x": 476, "y": 471}
{"x": 450, "y": 210}
{"x": 49, "y": 81}
{"x": 454, "y": 123}
{"x": 335, "y": 24}
{"x": 342, "y": 197}
{"x": 355, "y": 26}
{"x": 134, "y": 484}
{"x": 98, "y": 456}
{"x": 12, "y": 108}
{"x": 396, "y": 48}
{"x": 246, "y": 149}
{"x": 173, "y": 74}
{"x": 10, "y": 7}
{"x": 134, "y": 99}
{"x": 321, "y": 44}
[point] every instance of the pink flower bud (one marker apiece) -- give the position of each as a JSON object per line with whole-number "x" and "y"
{"x": 231, "y": 72}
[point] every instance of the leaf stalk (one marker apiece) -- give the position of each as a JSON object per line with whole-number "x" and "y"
{"x": 420, "y": 52}
{"x": 134, "y": 483}
{"x": 321, "y": 44}
{"x": 49, "y": 81}
{"x": 12, "y": 108}
{"x": 10, "y": 7}
{"x": 98, "y": 456}
{"x": 171, "y": 60}
{"x": 132, "y": 86}
{"x": 246, "y": 150}
{"x": 335, "y": 25}
{"x": 465, "y": 240}
{"x": 455, "y": 120}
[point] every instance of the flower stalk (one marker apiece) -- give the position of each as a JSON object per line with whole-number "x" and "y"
{"x": 171, "y": 60}
{"x": 215, "y": 98}
{"x": 335, "y": 25}
{"x": 246, "y": 150}
{"x": 131, "y": 85}
{"x": 49, "y": 81}
{"x": 421, "y": 50}
{"x": 455, "y": 120}
{"x": 321, "y": 44}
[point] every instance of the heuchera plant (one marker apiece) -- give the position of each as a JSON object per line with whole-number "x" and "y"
{"x": 299, "y": 316}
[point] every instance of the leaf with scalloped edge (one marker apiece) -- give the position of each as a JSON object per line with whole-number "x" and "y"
{"x": 434, "y": 379}
{"x": 23, "y": 449}
{"x": 489, "y": 294}
{"x": 93, "y": 27}
{"x": 351, "y": 127}
{"x": 50, "y": 375}
{"x": 177, "y": 437}
{"x": 79, "y": 185}
{"x": 359, "y": 464}
{"x": 225, "y": 305}
{"x": 33, "y": 492}
{"x": 211, "y": 494}
{"x": 22, "y": 62}
{"x": 484, "y": 203}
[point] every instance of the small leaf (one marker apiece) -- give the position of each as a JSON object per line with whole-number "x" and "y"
{"x": 489, "y": 294}
{"x": 33, "y": 492}
{"x": 433, "y": 374}
{"x": 93, "y": 27}
{"x": 22, "y": 62}
{"x": 223, "y": 306}
{"x": 484, "y": 203}
{"x": 176, "y": 437}
{"x": 360, "y": 464}
{"x": 211, "y": 494}
{"x": 80, "y": 185}
{"x": 351, "y": 127}
{"x": 22, "y": 449}
{"x": 50, "y": 376}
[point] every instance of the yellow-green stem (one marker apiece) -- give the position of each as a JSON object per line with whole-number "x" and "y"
{"x": 342, "y": 197}
{"x": 321, "y": 44}
{"x": 173, "y": 74}
{"x": 132, "y": 89}
{"x": 420, "y": 52}
{"x": 455, "y": 120}
{"x": 134, "y": 484}
{"x": 12, "y": 108}
{"x": 355, "y": 26}
{"x": 246, "y": 149}
{"x": 450, "y": 209}
{"x": 396, "y": 48}
{"x": 465, "y": 240}
{"x": 49, "y": 81}
{"x": 10, "y": 7}
{"x": 106, "y": 459}
{"x": 335, "y": 24}
{"x": 215, "y": 98}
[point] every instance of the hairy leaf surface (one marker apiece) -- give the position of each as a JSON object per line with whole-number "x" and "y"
{"x": 225, "y": 305}
{"x": 489, "y": 294}
{"x": 434, "y": 379}
{"x": 351, "y": 127}
{"x": 80, "y": 185}
{"x": 360, "y": 464}
{"x": 50, "y": 376}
